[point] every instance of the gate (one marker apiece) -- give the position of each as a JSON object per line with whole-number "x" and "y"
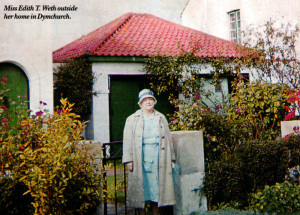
{"x": 112, "y": 153}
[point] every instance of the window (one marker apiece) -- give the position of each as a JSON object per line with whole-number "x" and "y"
{"x": 235, "y": 26}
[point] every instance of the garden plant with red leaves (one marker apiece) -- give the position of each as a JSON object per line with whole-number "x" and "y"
{"x": 294, "y": 101}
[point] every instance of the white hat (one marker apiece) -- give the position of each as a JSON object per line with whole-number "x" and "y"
{"x": 146, "y": 93}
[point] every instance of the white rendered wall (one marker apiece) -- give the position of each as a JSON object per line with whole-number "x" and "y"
{"x": 211, "y": 16}
{"x": 26, "y": 44}
{"x": 37, "y": 66}
{"x": 101, "y": 101}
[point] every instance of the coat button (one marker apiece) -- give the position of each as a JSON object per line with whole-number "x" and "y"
{"x": 163, "y": 148}
{"x": 163, "y": 137}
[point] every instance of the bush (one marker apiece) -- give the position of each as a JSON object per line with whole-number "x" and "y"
{"x": 12, "y": 200}
{"x": 75, "y": 81}
{"x": 252, "y": 166}
{"x": 279, "y": 198}
{"x": 235, "y": 164}
{"x": 294, "y": 101}
{"x": 259, "y": 107}
{"x": 45, "y": 155}
{"x": 219, "y": 133}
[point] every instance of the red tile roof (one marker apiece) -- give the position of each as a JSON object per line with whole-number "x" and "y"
{"x": 145, "y": 35}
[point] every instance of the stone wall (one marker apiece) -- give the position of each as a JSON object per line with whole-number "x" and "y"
{"x": 287, "y": 127}
{"x": 189, "y": 172}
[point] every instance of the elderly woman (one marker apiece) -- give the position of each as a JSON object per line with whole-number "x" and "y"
{"x": 148, "y": 153}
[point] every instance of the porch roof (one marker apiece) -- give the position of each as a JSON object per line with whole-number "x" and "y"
{"x": 145, "y": 35}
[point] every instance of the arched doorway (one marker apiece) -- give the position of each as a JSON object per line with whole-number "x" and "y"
{"x": 16, "y": 82}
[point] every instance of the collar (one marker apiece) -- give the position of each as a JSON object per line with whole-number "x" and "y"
{"x": 149, "y": 117}
{"x": 139, "y": 113}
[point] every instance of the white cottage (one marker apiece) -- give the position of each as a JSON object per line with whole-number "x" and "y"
{"x": 117, "y": 51}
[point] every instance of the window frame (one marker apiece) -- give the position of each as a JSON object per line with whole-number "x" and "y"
{"x": 235, "y": 26}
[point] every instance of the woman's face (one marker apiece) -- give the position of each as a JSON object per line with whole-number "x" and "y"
{"x": 147, "y": 104}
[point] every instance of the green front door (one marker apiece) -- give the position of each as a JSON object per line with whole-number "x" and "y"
{"x": 124, "y": 90}
{"x": 16, "y": 83}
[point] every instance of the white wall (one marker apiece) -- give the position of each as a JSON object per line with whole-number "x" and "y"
{"x": 210, "y": 16}
{"x": 17, "y": 47}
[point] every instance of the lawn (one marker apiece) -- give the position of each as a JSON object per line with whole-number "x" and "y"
{"x": 117, "y": 185}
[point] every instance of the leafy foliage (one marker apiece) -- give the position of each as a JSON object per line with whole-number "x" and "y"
{"x": 174, "y": 74}
{"x": 294, "y": 107}
{"x": 252, "y": 166}
{"x": 254, "y": 111}
{"x": 75, "y": 81}
{"x": 280, "y": 198}
{"x": 43, "y": 153}
{"x": 259, "y": 107}
{"x": 12, "y": 200}
{"x": 227, "y": 131}
{"x": 227, "y": 211}
{"x": 181, "y": 74}
{"x": 219, "y": 136}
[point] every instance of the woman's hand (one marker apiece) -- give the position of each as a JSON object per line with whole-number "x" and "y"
{"x": 130, "y": 167}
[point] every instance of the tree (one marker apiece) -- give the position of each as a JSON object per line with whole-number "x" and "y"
{"x": 75, "y": 81}
{"x": 273, "y": 55}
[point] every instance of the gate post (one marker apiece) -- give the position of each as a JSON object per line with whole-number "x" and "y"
{"x": 189, "y": 151}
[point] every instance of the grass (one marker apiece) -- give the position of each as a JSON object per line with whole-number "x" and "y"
{"x": 119, "y": 188}
{"x": 119, "y": 184}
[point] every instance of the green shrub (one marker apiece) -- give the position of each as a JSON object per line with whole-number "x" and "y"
{"x": 220, "y": 134}
{"x": 236, "y": 165}
{"x": 279, "y": 198}
{"x": 83, "y": 199}
{"x": 12, "y": 200}
{"x": 252, "y": 166}
{"x": 75, "y": 81}
{"x": 254, "y": 111}
{"x": 259, "y": 107}
{"x": 46, "y": 156}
